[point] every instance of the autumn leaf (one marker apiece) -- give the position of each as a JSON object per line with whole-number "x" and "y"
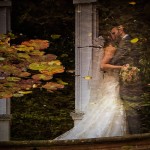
{"x": 48, "y": 68}
{"x": 70, "y": 71}
{"x": 25, "y": 86}
{"x": 41, "y": 77}
{"x": 24, "y": 74}
{"x": 132, "y": 3}
{"x": 9, "y": 84}
{"x": 18, "y": 95}
{"x": 135, "y": 40}
{"x": 37, "y": 52}
{"x": 87, "y": 77}
{"x": 49, "y": 57}
{"x": 37, "y": 44}
{"x": 24, "y": 48}
{"x": 14, "y": 79}
{"x": 54, "y": 62}
{"x": 50, "y": 86}
{"x": 23, "y": 55}
{"x": 24, "y": 92}
{"x": 6, "y": 94}
{"x": 36, "y": 66}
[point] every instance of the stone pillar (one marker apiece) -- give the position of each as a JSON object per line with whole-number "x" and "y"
{"x": 5, "y": 119}
{"x": 5, "y": 16}
{"x": 86, "y": 29}
{"x": 5, "y": 103}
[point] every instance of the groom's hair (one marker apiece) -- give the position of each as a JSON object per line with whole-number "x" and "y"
{"x": 122, "y": 28}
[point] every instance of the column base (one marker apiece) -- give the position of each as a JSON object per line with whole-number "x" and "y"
{"x": 77, "y": 116}
{"x": 5, "y": 117}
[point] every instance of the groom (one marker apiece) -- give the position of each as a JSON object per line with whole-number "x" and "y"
{"x": 129, "y": 93}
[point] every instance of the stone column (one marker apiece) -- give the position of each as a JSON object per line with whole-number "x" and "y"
{"x": 5, "y": 16}
{"x": 5, "y": 103}
{"x": 86, "y": 29}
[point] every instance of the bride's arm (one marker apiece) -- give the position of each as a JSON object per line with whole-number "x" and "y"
{"x": 109, "y": 66}
{"x": 105, "y": 64}
{"x": 108, "y": 54}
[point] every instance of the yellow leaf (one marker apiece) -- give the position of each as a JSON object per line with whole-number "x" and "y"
{"x": 90, "y": 34}
{"x": 61, "y": 82}
{"x": 135, "y": 40}
{"x": 54, "y": 62}
{"x": 17, "y": 95}
{"x": 78, "y": 11}
{"x": 25, "y": 92}
{"x": 55, "y": 36}
{"x": 87, "y": 77}
{"x": 70, "y": 71}
{"x": 132, "y": 3}
{"x": 34, "y": 86}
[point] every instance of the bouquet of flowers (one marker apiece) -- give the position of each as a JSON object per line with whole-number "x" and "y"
{"x": 129, "y": 74}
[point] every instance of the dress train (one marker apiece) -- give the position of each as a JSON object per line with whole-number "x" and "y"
{"x": 104, "y": 117}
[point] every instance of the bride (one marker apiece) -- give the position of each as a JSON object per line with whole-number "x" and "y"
{"x": 105, "y": 115}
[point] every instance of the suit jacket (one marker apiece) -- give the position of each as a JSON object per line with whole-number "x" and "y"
{"x": 128, "y": 53}
{"x": 122, "y": 55}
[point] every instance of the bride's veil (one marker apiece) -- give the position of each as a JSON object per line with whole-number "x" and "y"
{"x": 97, "y": 75}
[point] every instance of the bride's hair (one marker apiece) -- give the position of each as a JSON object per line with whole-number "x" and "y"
{"x": 108, "y": 42}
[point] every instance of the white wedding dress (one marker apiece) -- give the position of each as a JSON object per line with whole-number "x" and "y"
{"x": 104, "y": 116}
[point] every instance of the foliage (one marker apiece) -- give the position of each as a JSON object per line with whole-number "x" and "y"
{"x": 43, "y": 115}
{"x": 51, "y": 19}
{"x": 24, "y": 67}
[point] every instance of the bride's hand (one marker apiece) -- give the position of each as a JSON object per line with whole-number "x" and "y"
{"x": 125, "y": 67}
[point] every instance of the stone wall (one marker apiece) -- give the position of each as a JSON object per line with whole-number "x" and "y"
{"x": 134, "y": 142}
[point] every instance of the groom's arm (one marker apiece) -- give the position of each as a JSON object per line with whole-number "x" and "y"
{"x": 122, "y": 54}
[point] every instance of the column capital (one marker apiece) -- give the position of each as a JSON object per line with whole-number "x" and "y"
{"x": 5, "y": 117}
{"x": 6, "y": 3}
{"x": 83, "y": 1}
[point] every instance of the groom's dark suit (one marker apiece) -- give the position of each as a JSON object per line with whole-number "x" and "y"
{"x": 129, "y": 93}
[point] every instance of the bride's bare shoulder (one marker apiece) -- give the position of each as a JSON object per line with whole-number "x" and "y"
{"x": 110, "y": 49}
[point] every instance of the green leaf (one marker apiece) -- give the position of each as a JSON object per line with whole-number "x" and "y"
{"x": 18, "y": 95}
{"x": 55, "y": 36}
{"x": 14, "y": 79}
{"x": 61, "y": 82}
{"x": 64, "y": 55}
